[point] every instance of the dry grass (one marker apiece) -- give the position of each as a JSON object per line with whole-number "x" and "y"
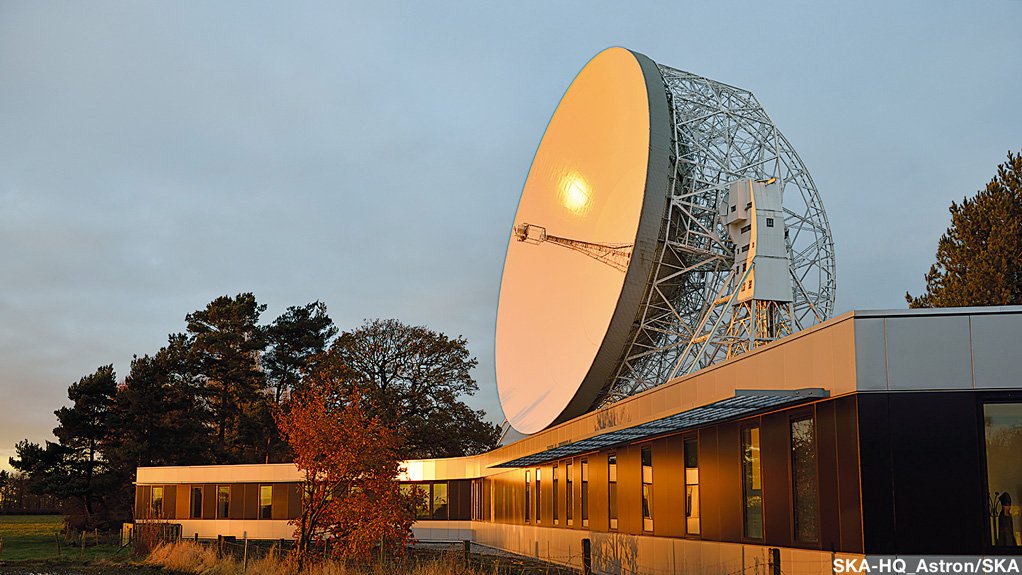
{"x": 188, "y": 557}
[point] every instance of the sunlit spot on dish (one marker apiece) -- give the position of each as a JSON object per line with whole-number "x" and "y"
{"x": 575, "y": 193}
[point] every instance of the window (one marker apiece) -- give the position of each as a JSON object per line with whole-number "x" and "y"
{"x": 421, "y": 494}
{"x": 585, "y": 493}
{"x": 439, "y": 508}
{"x": 612, "y": 490}
{"x": 734, "y": 208}
{"x": 1002, "y": 423}
{"x": 692, "y": 486}
{"x": 539, "y": 494}
{"x": 745, "y": 248}
{"x": 528, "y": 506}
{"x": 223, "y": 501}
{"x": 746, "y": 228}
{"x": 803, "y": 479}
{"x": 265, "y": 501}
{"x": 477, "y": 500}
{"x": 156, "y": 501}
{"x": 569, "y": 495}
{"x": 770, "y": 222}
{"x": 752, "y": 484}
{"x": 553, "y": 483}
{"x": 196, "y": 503}
{"x": 647, "y": 489}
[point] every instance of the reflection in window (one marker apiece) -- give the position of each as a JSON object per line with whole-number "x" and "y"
{"x": 439, "y": 508}
{"x": 157, "y": 501}
{"x": 647, "y": 489}
{"x": 803, "y": 476}
{"x": 265, "y": 501}
{"x": 421, "y": 497}
{"x": 569, "y": 495}
{"x": 585, "y": 493}
{"x": 477, "y": 499}
{"x": 692, "y": 486}
{"x": 196, "y": 503}
{"x": 223, "y": 501}
{"x": 612, "y": 490}
{"x": 1002, "y": 423}
{"x": 528, "y": 491}
{"x": 752, "y": 483}
{"x": 553, "y": 496}
{"x": 539, "y": 494}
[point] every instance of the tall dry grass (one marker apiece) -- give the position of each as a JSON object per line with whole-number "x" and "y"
{"x": 189, "y": 557}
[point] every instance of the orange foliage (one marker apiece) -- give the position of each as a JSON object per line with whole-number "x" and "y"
{"x": 350, "y": 495}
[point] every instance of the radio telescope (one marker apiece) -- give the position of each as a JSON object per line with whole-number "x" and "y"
{"x": 633, "y": 257}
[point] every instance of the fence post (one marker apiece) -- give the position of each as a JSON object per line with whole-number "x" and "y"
{"x": 245, "y": 568}
{"x": 775, "y": 561}
{"x": 82, "y": 554}
{"x": 219, "y": 546}
{"x": 468, "y": 550}
{"x": 587, "y": 557}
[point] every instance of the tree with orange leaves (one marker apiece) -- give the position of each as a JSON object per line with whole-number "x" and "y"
{"x": 349, "y": 457}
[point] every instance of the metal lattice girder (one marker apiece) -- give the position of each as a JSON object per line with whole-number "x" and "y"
{"x": 720, "y": 134}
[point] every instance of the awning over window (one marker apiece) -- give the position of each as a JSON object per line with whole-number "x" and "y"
{"x": 744, "y": 403}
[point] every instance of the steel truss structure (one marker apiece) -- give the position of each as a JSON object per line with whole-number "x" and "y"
{"x": 720, "y": 134}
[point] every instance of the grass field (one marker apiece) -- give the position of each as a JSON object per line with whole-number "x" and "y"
{"x": 35, "y": 537}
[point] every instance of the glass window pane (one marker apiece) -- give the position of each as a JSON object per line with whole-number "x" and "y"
{"x": 553, "y": 496}
{"x": 528, "y": 492}
{"x": 223, "y": 501}
{"x": 612, "y": 490}
{"x": 422, "y": 499}
{"x": 569, "y": 494}
{"x": 196, "y": 503}
{"x": 265, "y": 501}
{"x": 692, "y": 526}
{"x": 612, "y": 504}
{"x": 1002, "y": 424}
{"x": 804, "y": 484}
{"x": 752, "y": 485}
{"x": 539, "y": 494}
{"x": 584, "y": 495}
{"x": 157, "y": 501}
{"x": 439, "y": 509}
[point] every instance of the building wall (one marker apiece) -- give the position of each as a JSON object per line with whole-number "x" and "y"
{"x": 838, "y": 511}
{"x": 923, "y": 481}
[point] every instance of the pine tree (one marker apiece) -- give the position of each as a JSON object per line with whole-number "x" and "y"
{"x": 225, "y": 343}
{"x": 979, "y": 257}
{"x": 294, "y": 340}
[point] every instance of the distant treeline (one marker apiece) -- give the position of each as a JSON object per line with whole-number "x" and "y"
{"x": 17, "y": 499}
{"x": 210, "y": 395}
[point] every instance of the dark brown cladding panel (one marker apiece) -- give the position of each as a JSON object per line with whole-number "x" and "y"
{"x": 849, "y": 496}
{"x": 776, "y": 449}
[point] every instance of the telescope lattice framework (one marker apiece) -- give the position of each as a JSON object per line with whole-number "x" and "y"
{"x": 622, "y": 271}
{"x": 720, "y": 134}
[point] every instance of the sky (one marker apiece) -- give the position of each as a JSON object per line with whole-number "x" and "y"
{"x": 154, "y": 156}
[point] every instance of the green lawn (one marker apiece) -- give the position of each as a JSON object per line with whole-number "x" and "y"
{"x": 35, "y": 537}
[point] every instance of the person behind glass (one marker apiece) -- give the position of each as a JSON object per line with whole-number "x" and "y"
{"x": 1005, "y": 524}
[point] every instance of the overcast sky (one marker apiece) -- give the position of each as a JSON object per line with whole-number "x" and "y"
{"x": 154, "y": 156}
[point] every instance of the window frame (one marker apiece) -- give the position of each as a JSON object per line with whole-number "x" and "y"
{"x": 685, "y": 439}
{"x": 749, "y": 427}
{"x": 227, "y": 511}
{"x": 982, "y": 400}
{"x": 613, "y": 496}
{"x": 265, "y": 511}
{"x": 802, "y": 415}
